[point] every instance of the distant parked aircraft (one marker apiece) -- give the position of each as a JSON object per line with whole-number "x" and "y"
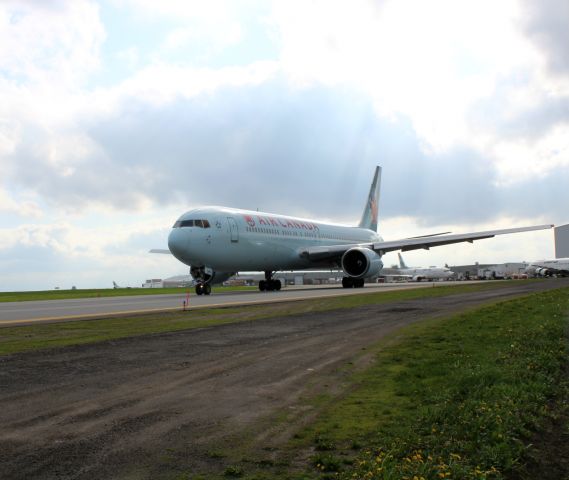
{"x": 216, "y": 242}
{"x": 418, "y": 274}
{"x": 548, "y": 268}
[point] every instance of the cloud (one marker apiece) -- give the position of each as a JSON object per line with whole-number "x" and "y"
{"x": 22, "y": 205}
{"x": 198, "y": 30}
{"x": 50, "y": 43}
{"x": 269, "y": 146}
{"x": 464, "y": 74}
{"x": 546, "y": 23}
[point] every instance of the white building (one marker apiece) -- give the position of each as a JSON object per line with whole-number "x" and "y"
{"x": 562, "y": 241}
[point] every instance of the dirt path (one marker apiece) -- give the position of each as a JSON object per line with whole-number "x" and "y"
{"x": 152, "y": 406}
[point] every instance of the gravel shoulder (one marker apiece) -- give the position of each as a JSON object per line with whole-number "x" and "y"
{"x": 160, "y": 405}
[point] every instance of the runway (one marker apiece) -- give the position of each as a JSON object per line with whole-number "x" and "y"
{"x": 20, "y": 313}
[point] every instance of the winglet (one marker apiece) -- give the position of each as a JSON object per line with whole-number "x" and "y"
{"x": 369, "y": 217}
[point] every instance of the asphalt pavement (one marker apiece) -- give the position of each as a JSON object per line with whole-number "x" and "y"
{"x": 18, "y": 313}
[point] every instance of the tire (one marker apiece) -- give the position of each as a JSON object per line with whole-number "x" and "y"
{"x": 207, "y": 289}
{"x": 262, "y": 285}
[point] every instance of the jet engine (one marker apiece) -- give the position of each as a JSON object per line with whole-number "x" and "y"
{"x": 542, "y": 272}
{"x": 361, "y": 262}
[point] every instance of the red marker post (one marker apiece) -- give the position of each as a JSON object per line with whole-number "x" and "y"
{"x": 186, "y": 302}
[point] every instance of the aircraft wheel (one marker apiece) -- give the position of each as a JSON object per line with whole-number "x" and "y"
{"x": 359, "y": 283}
{"x": 207, "y": 289}
{"x": 278, "y": 285}
{"x": 347, "y": 282}
{"x": 199, "y": 289}
{"x": 263, "y": 285}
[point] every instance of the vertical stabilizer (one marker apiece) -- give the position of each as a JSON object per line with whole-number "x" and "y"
{"x": 401, "y": 261}
{"x": 369, "y": 217}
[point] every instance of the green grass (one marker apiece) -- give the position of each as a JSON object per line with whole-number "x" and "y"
{"x": 49, "y": 335}
{"x": 452, "y": 398}
{"x": 101, "y": 292}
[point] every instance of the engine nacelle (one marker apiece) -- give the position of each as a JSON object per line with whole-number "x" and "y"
{"x": 542, "y": 272}
{"x": 361, "y": 262}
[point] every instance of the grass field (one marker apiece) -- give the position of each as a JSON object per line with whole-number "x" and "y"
{"x": 49, "y": 335}
{"x": 100, "y": 292}
{"x": 462, "y": 398}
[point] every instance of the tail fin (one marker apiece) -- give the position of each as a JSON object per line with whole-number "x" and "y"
{"x": 369, "y": 217}
{"x": 401, "y": 261}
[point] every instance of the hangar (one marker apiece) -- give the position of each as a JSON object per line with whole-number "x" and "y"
{"x": 562, "y": 241}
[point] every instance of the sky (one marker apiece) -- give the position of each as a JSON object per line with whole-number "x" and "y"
{"x": 117, "y": 116}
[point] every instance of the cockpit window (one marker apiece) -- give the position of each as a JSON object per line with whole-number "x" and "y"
{"x": 192, "y": 223}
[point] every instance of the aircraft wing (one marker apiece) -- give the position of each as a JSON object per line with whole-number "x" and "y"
{"x": 335, "y": 251}
{"x": 160, "y": 250}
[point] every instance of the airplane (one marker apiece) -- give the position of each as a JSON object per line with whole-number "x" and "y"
{"x": 217, "y": 242}
{"x": 548, "y": 268}
{"x": 417, "y": 274}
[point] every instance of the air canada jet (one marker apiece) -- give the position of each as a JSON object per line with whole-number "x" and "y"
{"x": 217, "y": 242}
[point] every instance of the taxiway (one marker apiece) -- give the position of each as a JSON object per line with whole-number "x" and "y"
{"x": 19, "y": 313}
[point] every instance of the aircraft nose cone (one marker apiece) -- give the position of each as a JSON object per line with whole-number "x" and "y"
{"x": 177, "y": 241}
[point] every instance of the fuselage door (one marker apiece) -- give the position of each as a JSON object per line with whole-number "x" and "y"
{"x": 234, "y": 231}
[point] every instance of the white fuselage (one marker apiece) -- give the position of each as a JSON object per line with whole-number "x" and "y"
{"x": 431, "y": 273}
{"x": 548, "y": 267}
{"x": 231, "y": 240}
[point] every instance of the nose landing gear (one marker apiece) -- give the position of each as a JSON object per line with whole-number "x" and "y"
{"x": 203, "y": 276}
{"x": 203, "y": 289}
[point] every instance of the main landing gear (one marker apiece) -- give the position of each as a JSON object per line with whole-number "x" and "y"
{"x": 349, "y": 282}
{"x": 203, "y": 289}
{"x": 269, "y": 285}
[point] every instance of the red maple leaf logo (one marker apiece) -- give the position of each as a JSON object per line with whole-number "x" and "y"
{"x": 249, "y": 220}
